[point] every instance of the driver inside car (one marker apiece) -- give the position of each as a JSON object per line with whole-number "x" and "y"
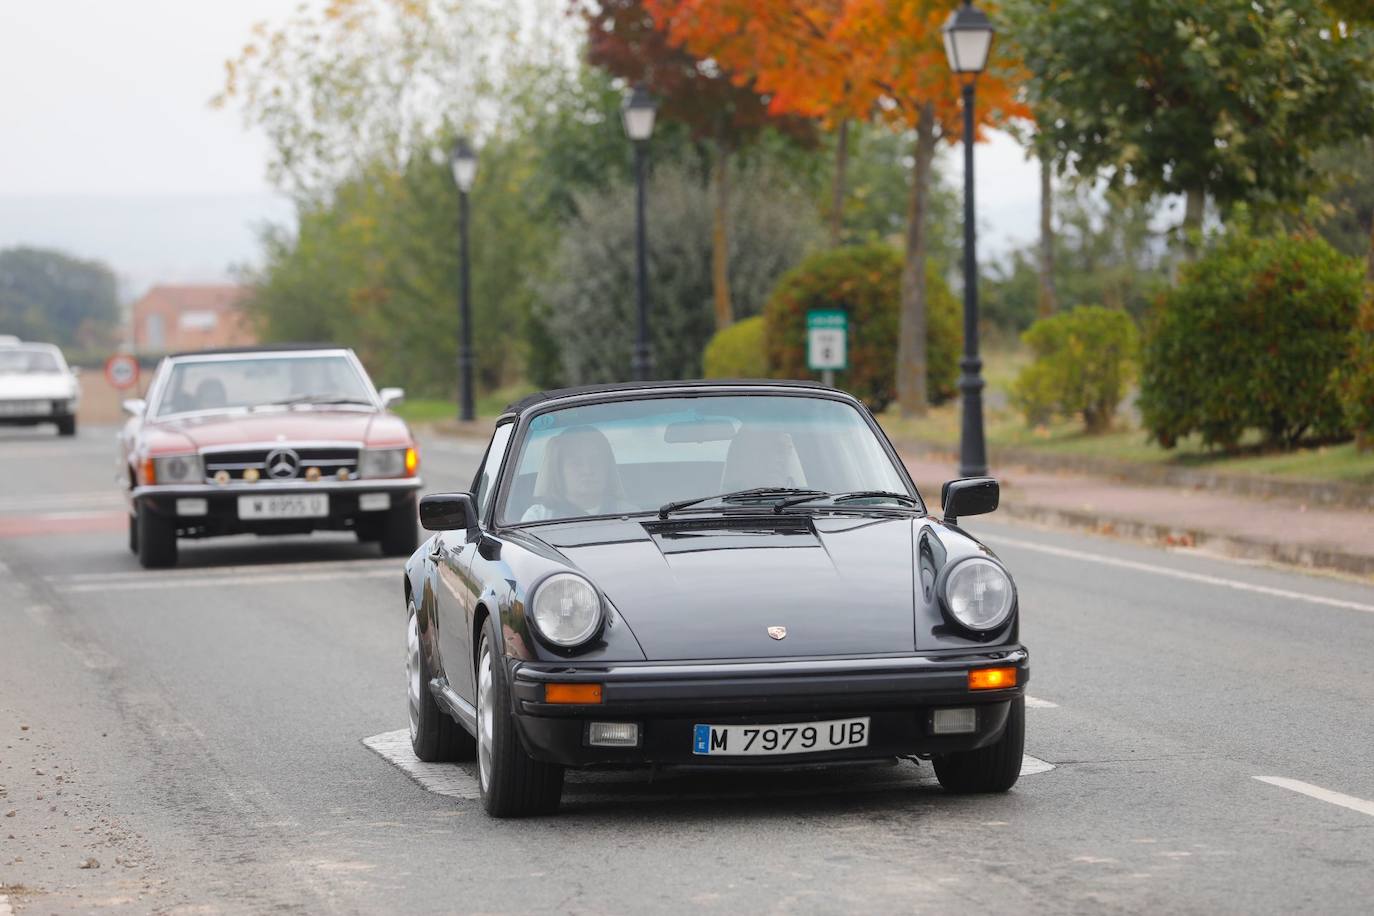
{"x": 578, "y": 477}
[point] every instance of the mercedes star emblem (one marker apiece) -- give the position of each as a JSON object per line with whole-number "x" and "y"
{"x": 282, "y": 463}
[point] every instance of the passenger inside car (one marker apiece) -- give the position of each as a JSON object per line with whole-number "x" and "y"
{"x": 761, "y": 458}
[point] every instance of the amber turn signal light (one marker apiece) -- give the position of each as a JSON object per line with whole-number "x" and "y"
{"x": 572, "y": 693}
{"x": 991, "y": 678}
{"x": 412, "y": 461}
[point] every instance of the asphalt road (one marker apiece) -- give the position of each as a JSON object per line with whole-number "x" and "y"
{"x": 199, "y": 734}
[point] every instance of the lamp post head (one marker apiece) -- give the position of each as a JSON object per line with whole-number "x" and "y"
{"x": 464, "y": 163}
{"x": 968, "y": 39}
{"x": 638, "y": 114}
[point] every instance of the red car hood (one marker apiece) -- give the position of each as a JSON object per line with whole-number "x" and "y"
{"x": 213, "y": 431}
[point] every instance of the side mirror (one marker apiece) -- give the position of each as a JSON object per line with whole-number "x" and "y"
{"x": 969, "y": 496}
{"x": 135, "y": 407}
{"x": 391, "y": 396}
{"x": 447, "y": 512}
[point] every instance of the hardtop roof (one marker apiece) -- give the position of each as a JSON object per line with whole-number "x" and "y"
{"x": 257, "y": 348}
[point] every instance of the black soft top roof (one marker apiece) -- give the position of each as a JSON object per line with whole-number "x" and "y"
{"x": 555, "y": 394}
{"x": 259, "y": 348}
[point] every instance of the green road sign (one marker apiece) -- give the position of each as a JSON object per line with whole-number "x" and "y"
{"x": 827, "y": 339}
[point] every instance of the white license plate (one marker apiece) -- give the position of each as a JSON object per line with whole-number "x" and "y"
{"x": 25, "y": 408}
{"x": 303, "y": 505}
{"x": 788, "y": 738}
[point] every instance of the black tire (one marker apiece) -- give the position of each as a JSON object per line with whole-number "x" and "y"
{"x": 157, "y": 540}
{"x": 133, "y": 535}
{"x": 994, "y": 768}
{"x": 368, "y": 531}
{"x": 66, "y": 426}
{"x": 513, "y": 783}
{"x": 400, "y": 531}
{"x": 434, "y": 736}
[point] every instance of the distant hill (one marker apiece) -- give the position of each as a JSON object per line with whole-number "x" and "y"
{"x": 146, "y": 239}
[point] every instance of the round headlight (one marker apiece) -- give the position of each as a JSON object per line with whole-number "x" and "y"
{"x": 567, "y": 609}
{"x": 979, "y": 594}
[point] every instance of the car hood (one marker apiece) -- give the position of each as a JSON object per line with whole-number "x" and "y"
{"x": 712, "y": 588}
{"x": 37, "y": 385}
{"x": 221, "y": 430}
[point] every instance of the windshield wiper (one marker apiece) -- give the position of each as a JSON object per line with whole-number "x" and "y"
{"x": 754, "y": 492}
{"x": 843, "y": 497}
{"x": 323, "y": 399}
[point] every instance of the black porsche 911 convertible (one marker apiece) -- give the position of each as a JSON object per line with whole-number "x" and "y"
{"x": 706, "y": 573}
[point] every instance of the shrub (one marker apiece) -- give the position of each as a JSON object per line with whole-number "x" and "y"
{"x": 865, "y": 281}
{"x": 1357, "y": 379}
{"x": 737, "y": 351}
{"x": 1084, "y": 359}
{"x": 588, "y": 304}
{"x": 1252, "y": 337}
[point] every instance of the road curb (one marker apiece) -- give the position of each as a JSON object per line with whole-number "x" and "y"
{"x": 1236, "y": 546}
{"x": 1252, "y": 486}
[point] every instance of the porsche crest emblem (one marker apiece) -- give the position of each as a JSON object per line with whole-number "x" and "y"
{"x": 778, "y": 632}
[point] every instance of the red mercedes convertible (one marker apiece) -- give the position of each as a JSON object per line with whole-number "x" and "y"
{"x": 266, "y": 441}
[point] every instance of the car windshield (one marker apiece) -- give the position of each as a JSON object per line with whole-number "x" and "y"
{"x": 258, "y": 381}
{"x": 26, "y": 360}
{"x": 643, "y": 455}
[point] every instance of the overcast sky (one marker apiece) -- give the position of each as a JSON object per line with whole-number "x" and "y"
{"x": 105, "y": 103}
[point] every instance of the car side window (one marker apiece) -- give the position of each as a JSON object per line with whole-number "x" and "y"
{"x": 491, "y": 467}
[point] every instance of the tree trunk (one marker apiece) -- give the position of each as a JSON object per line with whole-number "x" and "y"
{"x": 840, "y": 189}
{"x": 912, "y": 395}
{"x": 720, "y": 239}
{"x": 1048, "y": 302}
{"x": 1194, "y": 207}
{"x": 1369, "y": 266}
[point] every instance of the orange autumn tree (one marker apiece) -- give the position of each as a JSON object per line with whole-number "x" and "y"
{"x": 835, "y": 59}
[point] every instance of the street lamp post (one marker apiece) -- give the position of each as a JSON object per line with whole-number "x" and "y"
{"x": 968, "y": 38}
{"x": 464, "y": 163}
{"x": 638, "y": 116}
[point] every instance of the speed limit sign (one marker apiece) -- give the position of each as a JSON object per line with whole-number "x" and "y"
{"x": 121, "y": 371}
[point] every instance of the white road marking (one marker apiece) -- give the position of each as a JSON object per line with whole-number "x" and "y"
{"x": 1317, "y": 792}
{"x": 155, "y": 582}
{"x": 5, "y": 906}
{"x": 33, "y": 501}
{"x": 330, "y": 567}
{"x": 1037, "y": 703}
{"x": 460, "y": 780}
{"x": 447, "y": 779}
{"x": 1182, "y": 574}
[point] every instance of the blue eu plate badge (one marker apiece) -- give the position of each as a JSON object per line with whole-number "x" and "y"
{"x": 701, "y": 740}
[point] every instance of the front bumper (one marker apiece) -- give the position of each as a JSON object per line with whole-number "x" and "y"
{"x": 898, "y": 694}
{"x": 221, "y": 509}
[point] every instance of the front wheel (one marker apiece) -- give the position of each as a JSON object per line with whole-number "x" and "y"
{"x": 994, "y": 768}
{"x": 400, "y": 532}
{"x": 66, "y": 426}
{"x": 513, "y": 783}
{"x": 157, "y": 539}
{"x": 434, "y": 736}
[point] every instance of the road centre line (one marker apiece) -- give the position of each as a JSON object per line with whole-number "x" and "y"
{"x": 247, "y": 569}
{"x": 1181, "y": 574}
{"x": 1037, "y": 703}
{"x": 5, "y": 906}
{"x": 1317, "y": 792}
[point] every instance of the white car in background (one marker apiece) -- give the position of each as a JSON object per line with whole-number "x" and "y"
{"x": 36, "y": 386}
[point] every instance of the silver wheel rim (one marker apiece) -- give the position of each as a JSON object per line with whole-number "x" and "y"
{"x": 413, "y": 672}
{"x": 485, "y": 716}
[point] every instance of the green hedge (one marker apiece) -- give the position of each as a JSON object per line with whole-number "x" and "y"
{"x": 1255, "y": 336}
{"x": 865, "y": 281}
{"x": 1357, "y": 380}
{"x": 737, "y": 351}
{"x": 1084, "y": 360}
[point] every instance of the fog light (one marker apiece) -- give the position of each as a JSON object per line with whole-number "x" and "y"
{"x": 192, "y": 507}
{"x": 954, "y": 721}
{"x": 374, "y": 502}
{"x": 613, "y": 734}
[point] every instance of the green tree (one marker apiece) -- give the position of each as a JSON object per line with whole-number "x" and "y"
{"x": 588, "y": 299}
{"x": 1226, "y": 99}
{"x": 53, "y": 297}
{"x": 1084, "y": 359}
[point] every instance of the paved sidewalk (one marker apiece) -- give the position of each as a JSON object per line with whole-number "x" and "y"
{"x": 1273, "y": 530}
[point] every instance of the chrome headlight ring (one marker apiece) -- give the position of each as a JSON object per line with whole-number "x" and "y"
{"x": 977, "y": 594}
{"x": 566, "y": 610}
{"x": 178, "y": 469}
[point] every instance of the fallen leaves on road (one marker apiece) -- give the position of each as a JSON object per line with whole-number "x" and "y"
{"x": 90, "y": 863}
